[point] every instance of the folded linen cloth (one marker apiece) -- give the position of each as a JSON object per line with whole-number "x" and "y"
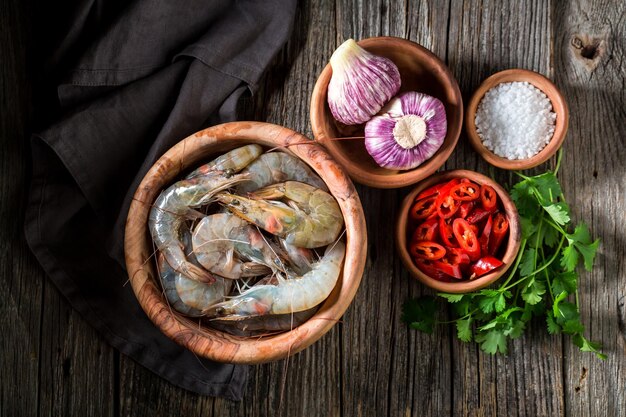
{"x": 132, "y": 79}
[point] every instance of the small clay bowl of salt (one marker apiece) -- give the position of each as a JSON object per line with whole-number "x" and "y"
{"x": 517, "y": 119}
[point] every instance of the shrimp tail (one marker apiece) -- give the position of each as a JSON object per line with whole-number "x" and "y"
{"x": 195, "y": 272}
{"x": 253, "y": 269}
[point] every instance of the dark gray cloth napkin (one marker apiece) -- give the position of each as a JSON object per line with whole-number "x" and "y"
{"x": 132, "y": 79}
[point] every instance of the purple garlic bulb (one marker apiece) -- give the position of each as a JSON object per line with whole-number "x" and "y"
{"x": 409, "y": 130}
{"x": 361, "y": 83}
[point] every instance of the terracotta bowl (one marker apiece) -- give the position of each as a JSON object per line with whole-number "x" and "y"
{"x": 559, "y": 106}
{"x": 421, "y": 71}
{"x": 194, "y": 151}
{"x": 462, "y": 286}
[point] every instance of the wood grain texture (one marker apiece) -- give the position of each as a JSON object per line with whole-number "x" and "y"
{"x": 589, "y": 52}
{"x": 21, "y": 280}
{"x": 370, "y": 363}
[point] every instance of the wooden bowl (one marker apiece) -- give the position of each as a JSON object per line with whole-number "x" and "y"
{"x": 421, "y": 71}
{"x": 194, "y": 151}
{"x": 559, "y": 106}
{"x": 462, "y": 286}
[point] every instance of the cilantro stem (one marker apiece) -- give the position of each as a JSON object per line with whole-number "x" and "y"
{"x": 541, "y": 268}
{"x": 545, "y": 272}
{"x": 515, "y": 265}
{"x": 556, "y": 226}
{"x": 558, "y": 161}
{"x": 470, "y": 314}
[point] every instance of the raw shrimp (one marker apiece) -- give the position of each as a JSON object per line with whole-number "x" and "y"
{"x": 312, "y": 217}
{"x": 176, "y": 204}
{"x": 188, "y": 296}
{"x": 254, "y": 326}
{"x": 297, "y": 259}
{"x": 223, "y": 242}
{"x": 274, "y": 167}
{"x": 229, "y": 163}
{"x": 290, "y": 295}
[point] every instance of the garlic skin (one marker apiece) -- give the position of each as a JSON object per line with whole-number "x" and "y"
{"x": 361, "y": 83}
{"x": 407, "y": 132}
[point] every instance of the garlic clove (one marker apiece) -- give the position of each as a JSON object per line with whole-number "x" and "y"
{"x": 361, "y": 83}
{"x": 408, "y": 131}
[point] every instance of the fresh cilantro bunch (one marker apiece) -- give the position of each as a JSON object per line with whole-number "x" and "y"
{"x": 539, "y": 283}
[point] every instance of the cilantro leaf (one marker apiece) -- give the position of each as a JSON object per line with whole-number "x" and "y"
{"x": 515, "y": 329}
{"x": 547, "y": 186}
{"x": 419, "y": 313}
{"x": 533, "y": 292}
{"x": 581, "y": 240}
{"x": 452, "y": 298}
{"x": 527, "y": 264}
{"x": 488, "y": 300}
{"x": 529, "y": 227}
{"x": 492, "y": 341}
{"x": 569, "y": 258}
{"x": 559, "y": 212}
{"x": 550, "y": 236}
{"x": 565, "y": 282}
{"x": 464, "y": 329}
{"x": 588, "y": 252}
{"x": 553, "y": 327}
{"x": 588, "y": 346}
{"x": 500, "y": 303}
{"x": 573, "y": 326}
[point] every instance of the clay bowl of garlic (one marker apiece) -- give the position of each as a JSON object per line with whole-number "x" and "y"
{"x": 517, "y": 119}
{"x": 388, "y": 110}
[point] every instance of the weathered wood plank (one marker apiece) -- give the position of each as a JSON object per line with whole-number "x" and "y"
{"x": 21, "y": 280}
{"x": 370, "y": 363}
{"x": 590, "y": 45}
{"x": 486, "y": 37}
{"x": 78, "y": 369}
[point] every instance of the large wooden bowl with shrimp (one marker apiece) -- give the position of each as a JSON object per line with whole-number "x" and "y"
{"x": 204, "y": 340}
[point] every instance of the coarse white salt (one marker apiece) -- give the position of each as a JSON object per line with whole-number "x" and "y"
{"x": 515, "y": 120}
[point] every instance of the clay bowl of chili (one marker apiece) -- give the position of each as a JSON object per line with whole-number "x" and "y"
{"x": 420, "y": 70}
{"x": 559, "y": 107}
{"x": 504, "y": 252}
{"x": 204, "y": 340}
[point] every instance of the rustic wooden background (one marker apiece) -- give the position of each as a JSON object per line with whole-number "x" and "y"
{"x": 53, "y": 363}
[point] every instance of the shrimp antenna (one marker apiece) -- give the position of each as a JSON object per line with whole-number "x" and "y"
{"x": 338, "y": 239}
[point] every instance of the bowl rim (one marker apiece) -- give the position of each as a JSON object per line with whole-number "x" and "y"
{"x": 402, "y": 178}
{"x": 559, "y": 106}
{"x": 464, "y": 286}
{"x": 211, "y": 343}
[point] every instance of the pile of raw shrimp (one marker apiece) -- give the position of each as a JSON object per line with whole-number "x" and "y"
{"x": 249, "y": 242}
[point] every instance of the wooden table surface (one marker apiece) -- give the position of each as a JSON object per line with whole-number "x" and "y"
{"x": 53, "y": 363}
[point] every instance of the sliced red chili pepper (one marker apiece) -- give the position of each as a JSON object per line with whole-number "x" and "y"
{"x": 477, "y": 215}
{"x": 448, "y": 269}
{"x": 427, "y": 250}
{"x": 445, "y": 231}
{"x": 456, "y": 256}
{"x": 423, "y": 208}
{"x": 428, "y": 268}
{"x": 426, "y": 230}
{"x": 466, "y": 238}
{"x": 484, "y": 265}
{"x": 484, "y": 237}
{"x": 474, "y": 228}
{"x": 498, "y": 232}
{"x": 446, "y": 205}
{"x": 465, "y": 209}
{"x": 488, "y": 197}
{"x": 465, "y": 191}
{"x": 434, "y": 190}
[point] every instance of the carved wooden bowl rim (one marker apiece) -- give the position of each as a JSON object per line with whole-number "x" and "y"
{"x": 207, "y": 342}
{"x": 464, "y": 286}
